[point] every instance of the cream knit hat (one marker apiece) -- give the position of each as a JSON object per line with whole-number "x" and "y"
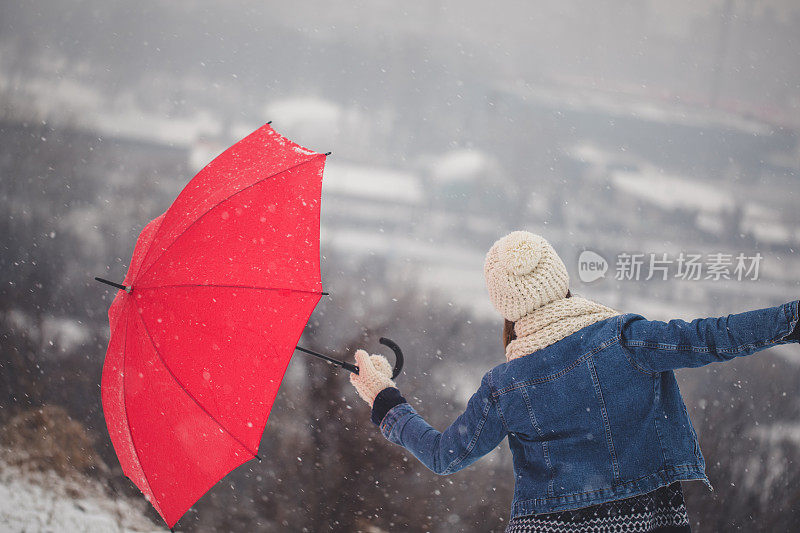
{"x": 523, "y": 272}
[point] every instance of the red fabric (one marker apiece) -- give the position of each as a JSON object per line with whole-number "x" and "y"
{"x": 223, "y": 285}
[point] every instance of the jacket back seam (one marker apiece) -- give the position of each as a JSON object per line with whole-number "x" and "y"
{"x": 607, "y": 426}
{"x": 545, "y": 447}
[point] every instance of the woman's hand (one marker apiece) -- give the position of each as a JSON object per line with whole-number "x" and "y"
{"x": 374, "y": 375}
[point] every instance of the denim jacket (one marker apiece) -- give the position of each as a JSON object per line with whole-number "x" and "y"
{"x": 596, "y": 416}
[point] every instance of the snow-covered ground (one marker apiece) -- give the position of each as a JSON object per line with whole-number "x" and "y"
{"x": 47, "y": 502}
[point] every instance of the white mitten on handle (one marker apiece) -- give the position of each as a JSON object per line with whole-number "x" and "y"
{"x": 374, "y": 375}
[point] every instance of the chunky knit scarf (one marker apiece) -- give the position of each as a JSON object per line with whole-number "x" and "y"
{"x": 554, "y": 321}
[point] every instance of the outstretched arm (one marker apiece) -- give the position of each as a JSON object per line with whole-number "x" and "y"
{"x": 658, "y": 346}
{"x": 474, "y": 433}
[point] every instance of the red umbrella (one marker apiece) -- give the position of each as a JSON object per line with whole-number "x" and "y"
{"x": 215, "y": 299}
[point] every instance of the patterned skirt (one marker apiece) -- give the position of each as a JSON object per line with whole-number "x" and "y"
{"x": 662, "y": 511}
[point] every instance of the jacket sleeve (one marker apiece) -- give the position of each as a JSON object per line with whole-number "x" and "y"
{"x": 474, "y": 433}
{"x": 657, "y": 346}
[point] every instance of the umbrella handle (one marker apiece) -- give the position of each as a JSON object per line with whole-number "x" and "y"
{"x": 398, "y": 356}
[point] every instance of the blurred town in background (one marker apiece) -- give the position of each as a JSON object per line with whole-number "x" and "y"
{"x": 618, "y": 127}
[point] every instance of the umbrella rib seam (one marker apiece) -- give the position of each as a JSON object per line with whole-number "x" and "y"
{"x": 195, "y": 221}
{"x": 127, "y": 421}
{"x": 189, "y": 394}
{"x": 304, "y": 291}
{"x": 149, "y": 248}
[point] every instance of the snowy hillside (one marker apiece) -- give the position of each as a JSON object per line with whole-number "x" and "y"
{"x": 48, "y": 502}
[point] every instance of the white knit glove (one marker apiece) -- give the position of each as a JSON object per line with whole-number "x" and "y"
{"x": 374, "y": 375}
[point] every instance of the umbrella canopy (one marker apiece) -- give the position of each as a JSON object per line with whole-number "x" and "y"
{"x": 216, "y": 297}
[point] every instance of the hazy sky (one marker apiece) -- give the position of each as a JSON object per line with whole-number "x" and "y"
{"x": 728, "y": 52}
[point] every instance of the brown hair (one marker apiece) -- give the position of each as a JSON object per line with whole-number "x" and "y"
{"x": 508, "y": 333}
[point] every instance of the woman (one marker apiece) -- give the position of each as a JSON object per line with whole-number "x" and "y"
{"x": 598, "y": 431}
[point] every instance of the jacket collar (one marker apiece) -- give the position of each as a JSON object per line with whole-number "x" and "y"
{"x": 554, "y": 321}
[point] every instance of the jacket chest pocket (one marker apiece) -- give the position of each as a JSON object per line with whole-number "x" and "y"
{"x": 562, "y": 421}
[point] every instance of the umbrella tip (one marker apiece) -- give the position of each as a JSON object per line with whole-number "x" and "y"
{"x": 328, "y": 153}
{"x": 269, "y": 122}
{"x": 117, "y": 285}
{"x": 258, "y": 457}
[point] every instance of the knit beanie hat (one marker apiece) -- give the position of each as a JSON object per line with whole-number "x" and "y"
{"x": 523, "y": 272}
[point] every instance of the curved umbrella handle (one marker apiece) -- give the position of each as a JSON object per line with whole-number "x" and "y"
{"x": 398, "y": 355}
